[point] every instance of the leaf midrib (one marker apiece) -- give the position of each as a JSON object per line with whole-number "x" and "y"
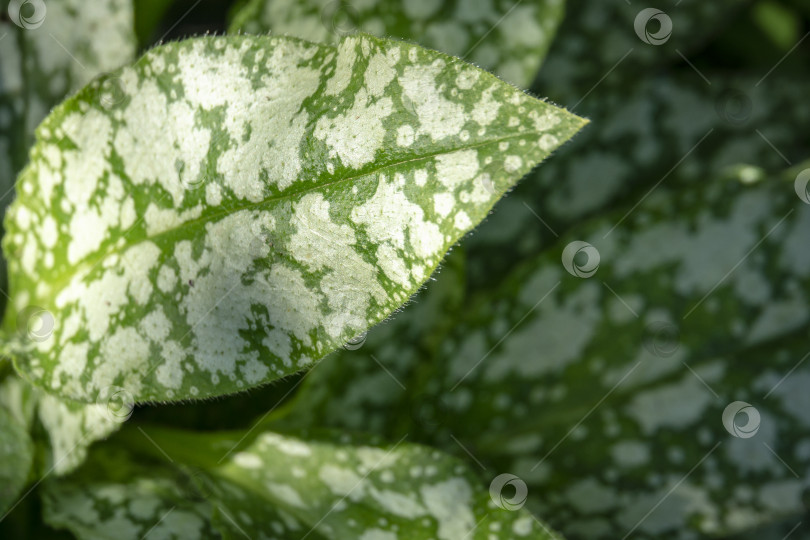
{"x": 214, "y": 217}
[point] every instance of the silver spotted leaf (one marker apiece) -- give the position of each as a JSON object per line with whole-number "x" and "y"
{"x": 505, "y": 37}
{"x": 612, "y": 359}
{"x": 73, "y": 426}
{"x": 228, "y": 210}
{"x": 621, "y": 391}
{"x": 49, "y": 50}
{"x": 112, "y": 498}
{"x": 672, "y": 129}
{"x": 625, "y": 41}
{"x": 328, "y": 485}
{"x": 70, "y": 427}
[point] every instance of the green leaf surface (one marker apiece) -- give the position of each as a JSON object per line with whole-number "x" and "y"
{"x": 226, "y": 211}
{"x": 621, "y": 41}
{"x": 114, "y": 499}
{"x": 16, "y": 458}
{"x": 602, "y": 393}
{"x": 69, "y": 427}
{"x": 507, "y": 38}
{"x": 49, "y": 50}
{"x": 72, "y": 426}
{"x": 334, "y": 486}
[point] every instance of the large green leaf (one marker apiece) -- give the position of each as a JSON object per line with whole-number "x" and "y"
{"x": 603, "y": 393}
{"x": 228, "y": 210}
{"x": 506, "y": 37}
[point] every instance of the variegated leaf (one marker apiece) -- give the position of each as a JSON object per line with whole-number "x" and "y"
{"x": 508, "y": 38}
{"x": 582, "y": 386}
{"x": 70, "y": 427}
{"x": 113, "y": 499}
{"x": 228, "y": 210}
{"x": 621, "y": 41}
{"x": 327, "y": 485}
{"x": 49, "y": 50}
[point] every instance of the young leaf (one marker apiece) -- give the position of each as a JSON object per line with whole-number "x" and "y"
{"x": 507, "y": 38}
{"x": 231, "y": 209}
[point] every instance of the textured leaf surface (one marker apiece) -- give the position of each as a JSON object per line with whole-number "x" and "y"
{"x": 16, "y": 457}
{"x": 111, "y": 499}
{"x": 231, "y": 209}
{"x": 332, "y": 486}
{"x": 583, "y": 386}
{"x": 505, "y": 37}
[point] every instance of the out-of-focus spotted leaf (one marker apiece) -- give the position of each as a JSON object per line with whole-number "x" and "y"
{"x": 331, "y": 485}
{"x": 69, "y": 427}
{"x": 73, "y": 426}
{"x": 508, "y": 38}
{"x": 110, "y": 498}
{"x": 17, "y": 397}
{"x": 619, "y": 40}
{"x": 605, "y": 393}
{"x": 73, "y": 43}
{"x": 672, "y": 129}
{"x": 49, "y": 50}
{"x": 16, "y": 457}
{"x": 235, "y": 208}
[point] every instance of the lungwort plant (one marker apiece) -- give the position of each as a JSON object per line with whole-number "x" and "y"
{"x": 242, "y": 299}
